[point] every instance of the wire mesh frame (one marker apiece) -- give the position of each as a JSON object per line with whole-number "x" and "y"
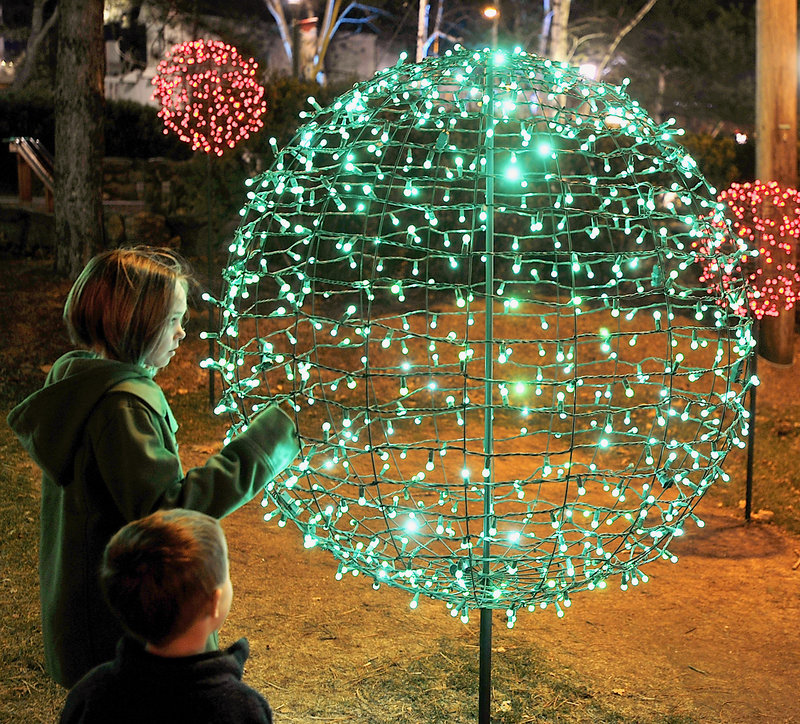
{"x": 503, "y": 193}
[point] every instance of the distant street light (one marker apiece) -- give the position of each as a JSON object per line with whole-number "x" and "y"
{"x": 492, "y": 12}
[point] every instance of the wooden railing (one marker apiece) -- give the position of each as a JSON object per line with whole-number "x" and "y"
{"x": 32, "y": 157}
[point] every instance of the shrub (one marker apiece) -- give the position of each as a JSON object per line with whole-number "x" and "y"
{"x": 720, "y": 159}
{"x": 133, "y": 130}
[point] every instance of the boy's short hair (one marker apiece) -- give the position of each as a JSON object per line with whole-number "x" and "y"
{"x": 160, "y": 572}
{"x": 121, "y": 300}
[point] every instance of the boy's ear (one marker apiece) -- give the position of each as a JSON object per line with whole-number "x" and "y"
{"x": 215, "y": 599}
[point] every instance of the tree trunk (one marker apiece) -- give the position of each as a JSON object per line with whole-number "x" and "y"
{"x": 547, "y": 22}
{"x": 661, "y": 88}
{"x": 79, "y": 144}
{"x": 327, "y": 29}
{"x": 559, "y": 30}
{"x": 437, "y": 28}
{"x": 422, "y": 29}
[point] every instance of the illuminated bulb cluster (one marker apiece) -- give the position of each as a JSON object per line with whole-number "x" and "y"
{"x": 209, "y": 95}
{"x": 766, "y": 222}
{"x": 471, "y": 280}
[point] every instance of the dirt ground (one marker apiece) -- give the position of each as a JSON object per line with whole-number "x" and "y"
{"x": 713, "y": 638}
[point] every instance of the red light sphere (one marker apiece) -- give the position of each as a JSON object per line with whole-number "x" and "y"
{"x": 209, "y": 95}
{"x": 765, "y": 219}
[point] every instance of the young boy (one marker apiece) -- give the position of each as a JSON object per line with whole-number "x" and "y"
{"x": 166, "y": 578}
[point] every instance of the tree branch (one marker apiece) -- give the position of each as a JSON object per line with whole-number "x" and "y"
{"x": 621, "y": 34}
{"x": 326, "y": 30}
{"x": 276, "y": 10}
{"x": 39, "y": 32}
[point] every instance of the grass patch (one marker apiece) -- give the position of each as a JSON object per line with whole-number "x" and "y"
{"x": 26, "y": 692}
{"x": 776, "y": 482}
{"x": 441, "y": 687}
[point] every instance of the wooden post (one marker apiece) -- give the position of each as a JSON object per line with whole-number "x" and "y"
{"x": 24, "y": 180}
{"x": 776, "y": 135}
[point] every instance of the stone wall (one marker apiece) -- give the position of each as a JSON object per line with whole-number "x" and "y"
{"x": 142, "y": 204}
{"x": 146, "y": 201}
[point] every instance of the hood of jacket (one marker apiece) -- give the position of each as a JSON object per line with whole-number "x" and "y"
{"x": 136, "y": 664}
{"x": 50, "y": 422}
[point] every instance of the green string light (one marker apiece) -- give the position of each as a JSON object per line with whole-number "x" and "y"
{"x": 508, "y": 382}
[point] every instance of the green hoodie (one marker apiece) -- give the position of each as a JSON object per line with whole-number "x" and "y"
{"x": 104, "y": 436}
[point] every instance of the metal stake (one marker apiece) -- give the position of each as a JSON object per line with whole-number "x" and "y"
{"x": 211, "y": 326}
{"x": 485, "y": 668}
{"x": 751, "y": 436}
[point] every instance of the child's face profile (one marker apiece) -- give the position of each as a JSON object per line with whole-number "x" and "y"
{"x": 167, "y": 343}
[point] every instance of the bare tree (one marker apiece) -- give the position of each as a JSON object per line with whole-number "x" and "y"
{"x": 565, "y": 41}
{"x": 40, "y": 27}
{"x": 79, "y": 145}
{"x": 621, "y": 34}
{"x": 308, "y": 38}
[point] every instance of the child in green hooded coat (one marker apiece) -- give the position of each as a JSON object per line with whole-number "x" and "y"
{"x": 104, "y": 436}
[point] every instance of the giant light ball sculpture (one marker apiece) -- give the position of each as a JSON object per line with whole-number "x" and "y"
{"x": 508, "y": 382}
{"x": 209, "y": 95}
{"x": 766, "y": 226}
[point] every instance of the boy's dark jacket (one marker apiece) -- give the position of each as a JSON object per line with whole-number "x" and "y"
{"x": 104, "y": 436}
{"x": 141, "y": 687}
